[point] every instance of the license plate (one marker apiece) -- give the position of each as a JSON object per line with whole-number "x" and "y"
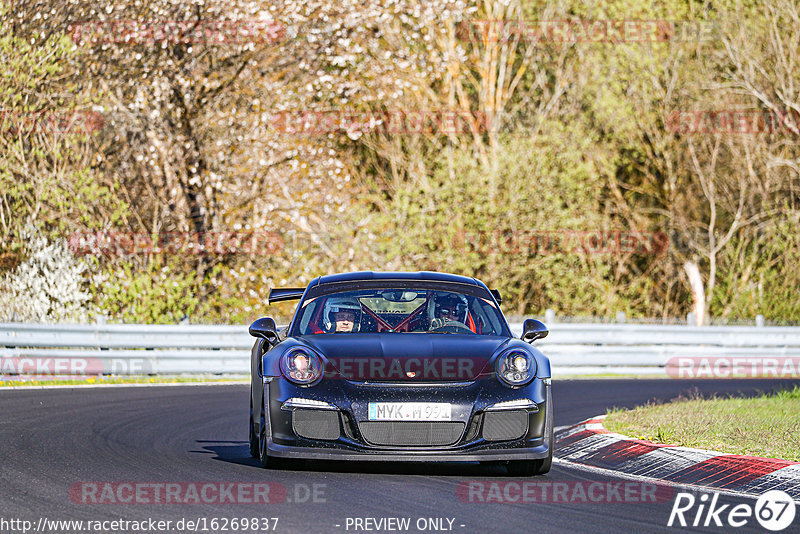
{"x": 409, "y": 411}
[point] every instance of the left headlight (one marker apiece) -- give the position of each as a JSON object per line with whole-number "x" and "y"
{"x": 301, "y": 366}
{"x": 516, "y": 367}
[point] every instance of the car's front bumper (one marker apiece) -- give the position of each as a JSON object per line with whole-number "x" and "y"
{"x": 471, "y": 402}
{"x": 315, "y": 453}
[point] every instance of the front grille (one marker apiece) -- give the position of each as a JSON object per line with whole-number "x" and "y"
{"x": 412, "y": 433}
{"x": 505, "y": 425}
{"x": 316, "y": 424}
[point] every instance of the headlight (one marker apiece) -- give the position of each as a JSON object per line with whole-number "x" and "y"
{"x": 516, "y": 367}
{"x": 301, "y": 366}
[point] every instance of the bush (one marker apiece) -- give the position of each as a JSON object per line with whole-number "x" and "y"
{"x": 49, "y": 286}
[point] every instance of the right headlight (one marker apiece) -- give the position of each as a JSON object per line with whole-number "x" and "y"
{"x": 301, "y": 366}
{"x": 516, "y": 367}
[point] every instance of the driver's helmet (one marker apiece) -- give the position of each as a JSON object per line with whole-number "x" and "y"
{"x": 449, "y": 306}
{"x": 336, "y": 304}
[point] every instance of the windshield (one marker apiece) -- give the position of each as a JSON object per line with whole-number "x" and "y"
{"x": 400, "y": 310}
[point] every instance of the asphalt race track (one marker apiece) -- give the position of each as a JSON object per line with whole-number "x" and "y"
{"x": 55, "y": 439}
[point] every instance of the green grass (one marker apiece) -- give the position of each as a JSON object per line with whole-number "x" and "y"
{"x": 94, "y": 380}
{"x": 766, "y": 426}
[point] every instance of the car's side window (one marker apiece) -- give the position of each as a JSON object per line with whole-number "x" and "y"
{"x": 484, "y": 316}
{"x": 307, "y": 314}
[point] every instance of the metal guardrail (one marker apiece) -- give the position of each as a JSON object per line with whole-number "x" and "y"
{"x": 157, "y": 349}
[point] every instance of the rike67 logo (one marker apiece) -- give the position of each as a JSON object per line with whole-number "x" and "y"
{"x": 774, "y": 510}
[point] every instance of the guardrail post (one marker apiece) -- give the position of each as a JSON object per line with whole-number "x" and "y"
{"x": 549, "y": 316}
{"x": 621, "y": 317}
{"x": 759, "y": 320}
{"x": 691, "y": 319}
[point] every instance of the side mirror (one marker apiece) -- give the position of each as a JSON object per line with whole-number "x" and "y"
{"x": 496, "y": 294}
{"x": 265, "y": 328}
{"x": 533, "y": 330}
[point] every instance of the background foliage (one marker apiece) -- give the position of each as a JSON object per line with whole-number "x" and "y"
{"x": 575, "y": 137}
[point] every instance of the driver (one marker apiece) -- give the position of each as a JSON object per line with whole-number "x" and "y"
{"x": 342, "y": 314}
{"x": 448, "y": 308}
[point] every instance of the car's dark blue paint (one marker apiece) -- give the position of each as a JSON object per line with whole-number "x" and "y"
{"x": 468, "y": 400}
{"x": 406, "y": 346}
{"x": 341, "y": 282}
{"x": 469, "y": 393}
{"x": 428, "y": 276}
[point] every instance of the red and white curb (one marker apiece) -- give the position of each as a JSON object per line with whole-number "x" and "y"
{"x": 589, "y": 443}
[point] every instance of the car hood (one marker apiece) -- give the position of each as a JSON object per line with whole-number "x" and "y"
{"x": 393, "y": 357}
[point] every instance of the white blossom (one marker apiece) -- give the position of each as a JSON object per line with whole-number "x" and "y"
{"x": 48, "y": 287}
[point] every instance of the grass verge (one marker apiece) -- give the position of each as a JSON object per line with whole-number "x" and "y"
{"x": 766, "y": 426}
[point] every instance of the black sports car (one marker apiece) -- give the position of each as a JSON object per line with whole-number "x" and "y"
{"x": 400, "y": 367}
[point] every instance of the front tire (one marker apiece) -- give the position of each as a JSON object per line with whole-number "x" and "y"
{"x": 542, "y": 466}
{"x": 524, "y": 468}
{"x": 527, "y": 468}
{"x": 254, "y": 444}
{"x": 263, "y": 458}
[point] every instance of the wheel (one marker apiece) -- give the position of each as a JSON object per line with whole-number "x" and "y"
{"x": 547, "y": 463}
{"x": 523, "y": 468}
{"x": 263, "y": 457}
{"x": 526, "y": 468}
{"x": 254, "y": 445}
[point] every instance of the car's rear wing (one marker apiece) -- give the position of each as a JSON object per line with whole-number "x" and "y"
{"x": 279, "y": 294}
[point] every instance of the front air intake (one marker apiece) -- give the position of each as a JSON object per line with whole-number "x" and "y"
{"x": 505, "y": 425}
{"x": 316, "y": 424}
